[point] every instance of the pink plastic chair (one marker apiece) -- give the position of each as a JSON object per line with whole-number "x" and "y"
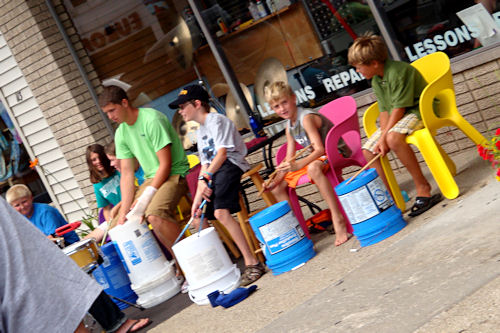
{"x": 342, "y": 112}
{"x": 280, "y": 155}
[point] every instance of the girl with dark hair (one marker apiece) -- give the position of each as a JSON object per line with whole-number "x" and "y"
{"x": 105, "y": 178}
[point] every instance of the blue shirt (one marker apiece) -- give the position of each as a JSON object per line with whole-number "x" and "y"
{"x": 139, "y": 176}
{"x": 47, "y": 219}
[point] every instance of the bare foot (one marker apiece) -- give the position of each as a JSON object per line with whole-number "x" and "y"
{"x": 341, "y": 235}
{"x": 341, "y": 240}
{"x": 133, "y": 325}
{"x": 423, "y": 190}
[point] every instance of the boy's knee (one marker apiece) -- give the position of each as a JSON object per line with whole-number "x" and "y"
{"x": 314, "y": 169}
{"x": 221, "y": 214}
{"x": 395, "y": 140}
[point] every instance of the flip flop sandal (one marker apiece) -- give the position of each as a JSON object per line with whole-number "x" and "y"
{"x": 423, "y": 204}
{"x": 139, "y": 329}
{"x": 252, "y": 273}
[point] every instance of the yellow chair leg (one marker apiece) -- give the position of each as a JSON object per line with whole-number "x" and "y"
{"x": 436, "y": 162}
{"x": 393, "y": 184}
{"x": 468, "y": 129}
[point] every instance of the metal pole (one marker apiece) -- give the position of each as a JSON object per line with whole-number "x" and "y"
{"x": 221, "y": 59}
{"x": 385, "y": 28}
{"x": 82, "y": 71}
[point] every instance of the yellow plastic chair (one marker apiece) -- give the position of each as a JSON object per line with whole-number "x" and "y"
{"x": 193, "y": 160}
{"x": 370, "y": 126}
{"x": 436, "y": 70}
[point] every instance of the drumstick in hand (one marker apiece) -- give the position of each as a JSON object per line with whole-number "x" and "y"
{"x": 273, "y": 174}
{"x": 364, "y": 168}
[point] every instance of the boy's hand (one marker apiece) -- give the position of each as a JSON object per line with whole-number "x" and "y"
{"x": 381, "y": 146}
{"x": 287, "y": 166}
{"x": 121, "y": 220}
{"x": 195, "y": 209}
{"x": 268, "y": 186}
{"x": 206, "y": 191}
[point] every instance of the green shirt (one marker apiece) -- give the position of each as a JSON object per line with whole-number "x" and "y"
{"x": 151, "y": 132}
{"x": 400, "y": 87}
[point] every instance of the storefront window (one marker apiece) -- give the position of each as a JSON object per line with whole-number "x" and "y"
{"x": 153, "y": 48}
{"x": 426, "y": 26}
{"x": 303, "y": 42}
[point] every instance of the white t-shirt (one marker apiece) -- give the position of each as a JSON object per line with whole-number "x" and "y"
{"x": 218, "y": 132}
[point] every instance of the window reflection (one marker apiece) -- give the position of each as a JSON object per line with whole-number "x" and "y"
{"x": 424, "y": 27}
{"x": 153, "y": 48}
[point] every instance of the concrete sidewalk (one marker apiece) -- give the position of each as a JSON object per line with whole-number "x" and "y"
{"x": 439, "y": 268}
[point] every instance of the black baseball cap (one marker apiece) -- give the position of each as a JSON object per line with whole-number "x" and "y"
{"x": 189, "y": 93}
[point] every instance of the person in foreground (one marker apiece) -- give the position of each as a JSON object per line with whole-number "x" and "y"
{"x": 146, "y": 135}
{"x": 43, "y": 290}
{"x": 43, "y": 216}
{"x": 222, "y": 155}
{"x": 308, "y": 128}
{"x": 397, "y": 86}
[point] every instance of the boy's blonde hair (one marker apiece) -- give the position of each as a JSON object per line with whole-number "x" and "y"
{"x": 278, "y": 90}
{"x": 17, "y": 192}
{"x": 367, "y": 48}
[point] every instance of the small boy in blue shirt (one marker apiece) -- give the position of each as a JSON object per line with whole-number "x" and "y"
{"x": 45, "y": 217}
{"x": 398, "y": 86}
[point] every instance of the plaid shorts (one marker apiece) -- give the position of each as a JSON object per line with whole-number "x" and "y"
{"x": 407, "y": 125}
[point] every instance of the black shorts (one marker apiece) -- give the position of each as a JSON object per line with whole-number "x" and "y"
{"x": 226, "y": 188}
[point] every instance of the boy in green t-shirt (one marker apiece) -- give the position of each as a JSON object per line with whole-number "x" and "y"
{"x": 398, "y": 86}
{"x": 146, "y": 135}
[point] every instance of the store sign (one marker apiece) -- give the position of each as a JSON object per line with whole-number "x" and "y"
{"x": 111, "y": 33}
{"x": 342, "y": 80}
{"x": 441, "y": 42}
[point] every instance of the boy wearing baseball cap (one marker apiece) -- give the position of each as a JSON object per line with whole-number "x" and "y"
{"x": 222, "y": 154}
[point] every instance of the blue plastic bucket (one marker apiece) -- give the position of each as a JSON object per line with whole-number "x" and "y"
{"x": 370, "y": 208}
{"x": 111, "y": 275}
{"x": 284, "y": 242}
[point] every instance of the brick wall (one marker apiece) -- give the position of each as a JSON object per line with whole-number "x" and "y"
{"x": 53, "y": 76}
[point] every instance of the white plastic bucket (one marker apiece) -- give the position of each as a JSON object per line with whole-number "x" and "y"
{"x": 151, "y": 274}
{"x": 164, "y": 286}
{"x": 206, "y": 265}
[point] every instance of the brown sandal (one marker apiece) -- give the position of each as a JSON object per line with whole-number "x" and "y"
{"x": 252, "y": 273}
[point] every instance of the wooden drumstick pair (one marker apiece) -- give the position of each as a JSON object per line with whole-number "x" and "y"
{"x": 273, "y": 174}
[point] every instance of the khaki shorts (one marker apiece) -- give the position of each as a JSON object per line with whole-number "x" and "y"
{"x": 165, "y": 200}
{"x": 407, "y": 125}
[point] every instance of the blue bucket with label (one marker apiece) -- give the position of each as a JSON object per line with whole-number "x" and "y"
{"x": 111, "y": 275}
{"x": 283, "y": 240}
{"x": 370, "y": 208}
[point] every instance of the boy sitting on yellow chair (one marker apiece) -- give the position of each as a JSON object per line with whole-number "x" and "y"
{"x": 398, "y": 86}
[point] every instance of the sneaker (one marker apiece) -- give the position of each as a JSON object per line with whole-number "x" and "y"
{"x": 252, "y": 273}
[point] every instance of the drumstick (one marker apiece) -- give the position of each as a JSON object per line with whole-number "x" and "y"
{"x": 273, "y": 174}
{"x": 364, "y": 168}
{"x": 105, "y": 234}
